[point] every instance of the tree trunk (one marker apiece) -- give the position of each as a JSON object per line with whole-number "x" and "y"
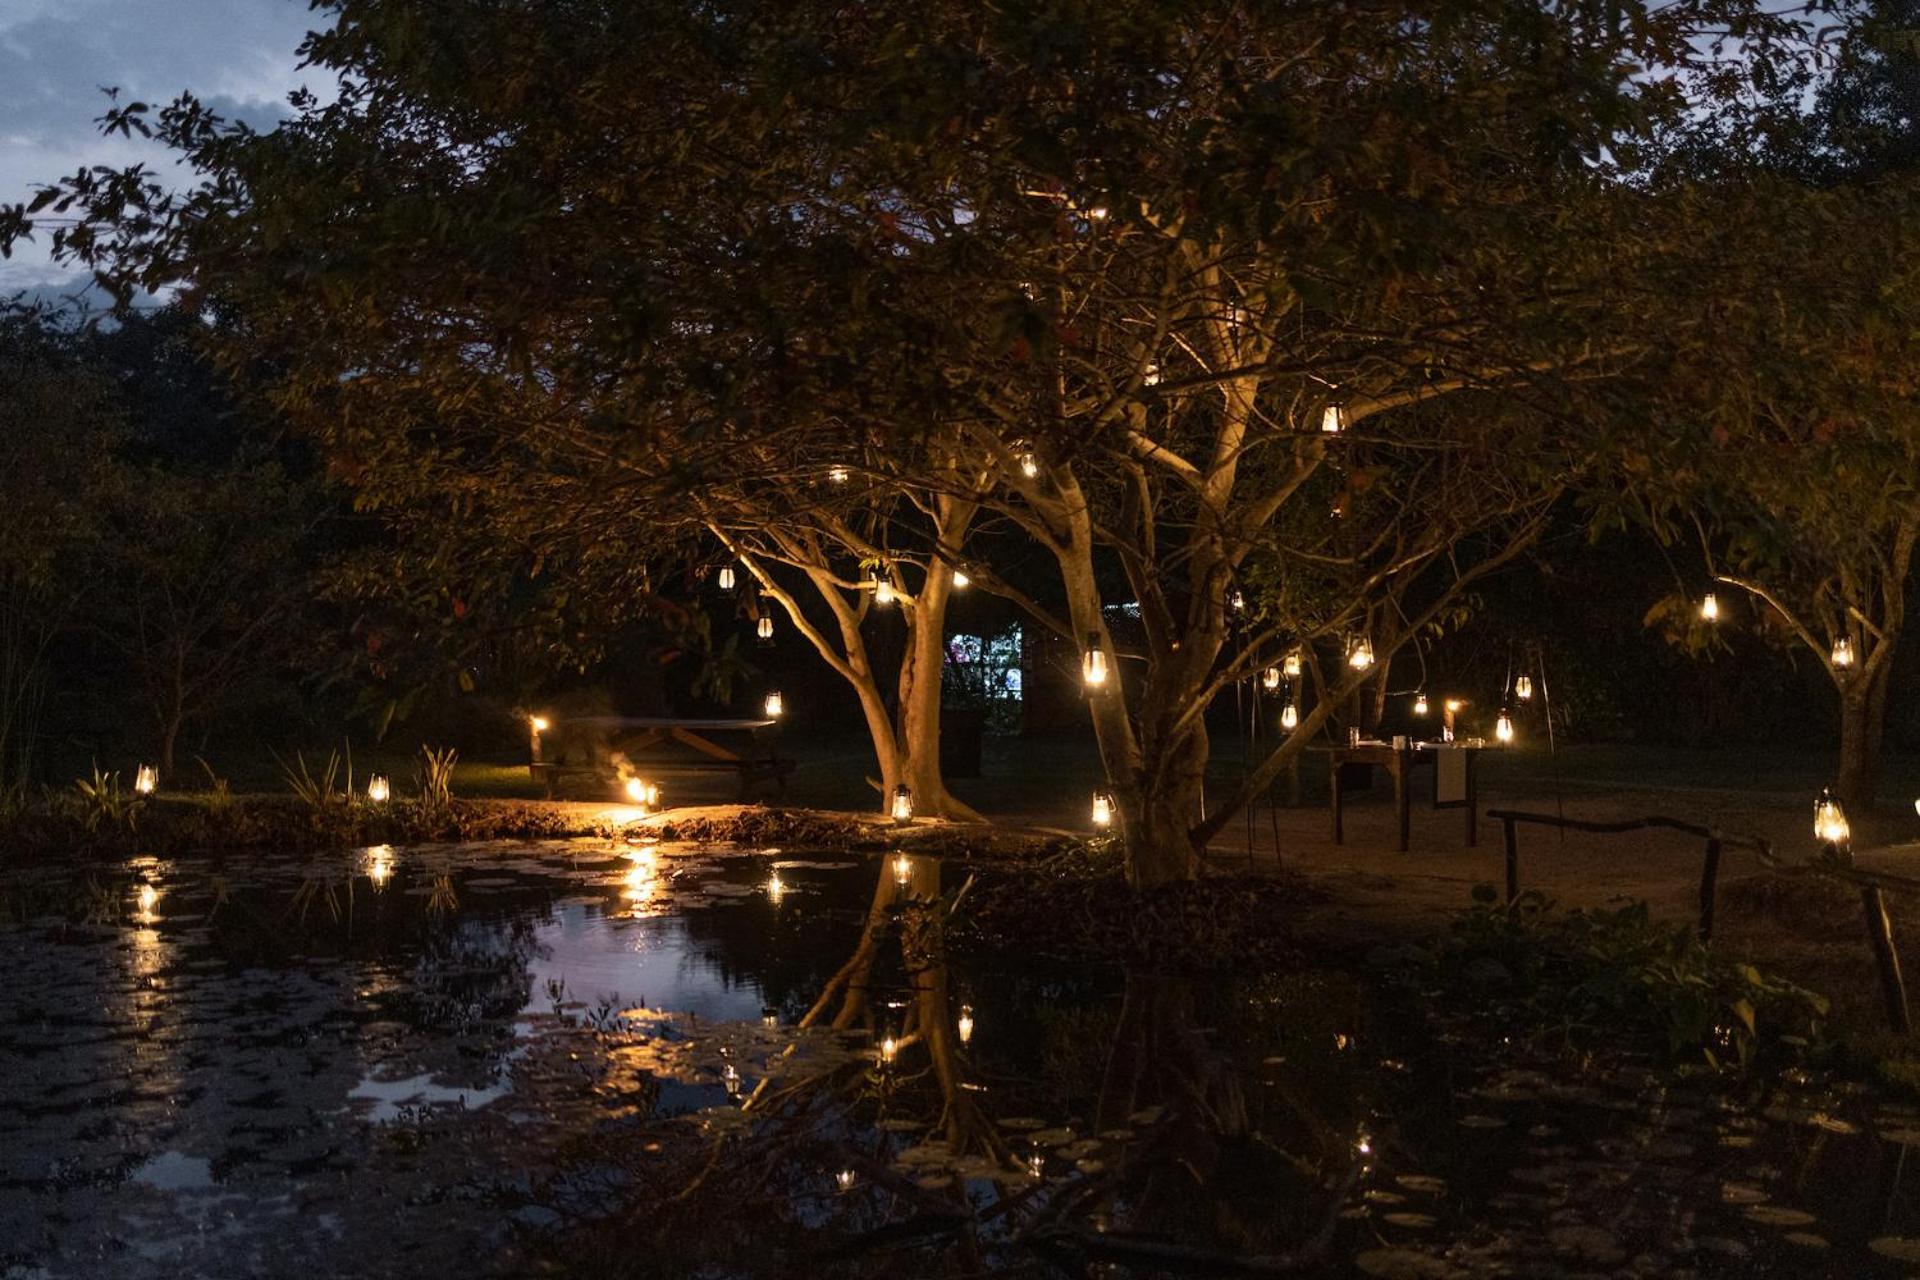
{"x": 922, "y": 672}
{"x": 1159, "y": 815}
{"x": 1863, "y": 721}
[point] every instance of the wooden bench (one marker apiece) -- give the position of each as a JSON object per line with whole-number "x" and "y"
{"x": 634, "y": 736}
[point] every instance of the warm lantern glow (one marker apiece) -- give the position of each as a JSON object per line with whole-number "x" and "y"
{"x": 1709, "y": 608}
{"x": 726, "y": 577}
{"x": 776, "y": 888}
{"x": 539, "y": 724}
{"x": 1360, "y": 657}
{"x": 1503, "y": 726}
{"x": 1272, "y": 678}
{"x": 1420, "y": 704}
{"x": 1289, "y": 716}
{"x": 1290, "y": 665}
{"x": 776, "y": 705}
{"x": 380, "y": 865}
{"x": 765, "y": 626}
{"x": 147, "y": 780}
{"x": 845, "y": 1179}
{"x": 1151, "y": 374}
{"x": 837, "y": 474}
{"x": 1093, "y": 666}
{"x": 1843, "y": 653}
{"x": 1334, "y": 420}
{"x": 1029, "y": 465}
{"x": 902, "y": 803}
{"x": 1830, "y": 820}
{"x": 149, "y": 898}
{"x": 889, "y": 1049}
{"x": 643, "y": 793}
{"x": 902, "y": 868}
{"x": 1237, "y": 601}
{"x": 378, "y": 789}
{"x": 1102, "y": 809}
{"x": 882, "y": 590}
{"x": 965, "y": 1025}
{"x": 1523, "y": 688}
{"x": 961, "y": 581}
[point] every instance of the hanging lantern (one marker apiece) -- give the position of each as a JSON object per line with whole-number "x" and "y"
{"x": 961, "y": 581}
{"x": 882, "y": 589}
{"x": 1709, "y": 608}
{"x": 776, "y": 705}
{"x": 1151, "y": 374}
{"x": 764, "y": 628}
{"x": 1420, "y": 704}
{"x": 1333, "y": 420}
{"x": 902, "y": 804}
{"x": 1360, "y": 657}
{"x": 1237, "y": 601}
{"x": 965, "y": 1025}
{"x": 902, "y": 869}
{"x": 845, "y": 1179}
{"x": 1830, "y": 824}
{"x": 889, "y": 1049}
{"x": 1503, "y": 726}
{"x": 837, "y": 474}
{"x": 726, "y": 577}
{"x": 1290, "y": 665}
{"x": 1843, "y": 653}
{"x": 1289, "y": 716}
{"x": 1523, "y": 688}
{"x": 1093, "y": 666}
{"x": 1272, "y": 678}
{"x": 1102, "y": 809}
{"x": 539, "y": 724}
{"x": 1029, "y": 465}
{"x": 378, "y": 790}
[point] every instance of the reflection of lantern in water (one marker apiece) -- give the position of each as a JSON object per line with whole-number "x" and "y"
{"x": 902, "y": 868}
{"x": 1360, "y": 657}
{"x": 776, "y": 705}
{"x": 1420, "y": 704}
{"x": 1830, "y": 824}
{"x": 148, "y": 897}
{"x": 1093, "y": 666}
{"x": 1037, "y": 1164}
{"x": 965, "y": 1024}
{"x": 902, "y": 803}
{"x": 776, "y": 888}
{"x": 726, "y": 577}
{"x": 1843, "y": 653}
{"x": 146, "y": 780}
{"x": 380, "y": 865}
{"x": 1523, "y": 688}
{"x": 378, "y": 790}
{"x": 638, "y": 883}
{"x": 845, "y": 1179}
{"x": 1503, "y": 726}
{"x": 1102, "y": 809}
{"x": 1289, "y": 716}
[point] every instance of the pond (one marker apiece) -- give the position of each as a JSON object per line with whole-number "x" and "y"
{"x": 605, "y": 1059}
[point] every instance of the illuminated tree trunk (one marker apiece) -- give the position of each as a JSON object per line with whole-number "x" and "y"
{"x": 1863, "y": 722}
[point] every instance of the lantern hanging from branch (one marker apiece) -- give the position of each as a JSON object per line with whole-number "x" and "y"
{"x": 1843, "y": 653}
{"x": 1420, "y": 703}
{"x": 1830, "y": 824}
{"x": 1102, "y": 809}
{"x": 1029, "y": 465}
{"x": 1333, "y": 420}
{"x": 1093, "y": 665}
{"x": 903, "y": 804}
{"x": 882, "y": 589}
{"x": 1237, "y": 601}
{"x": 837, "y": 473}
{"x": 965, "y": 1024}
{"x": 1523, "y": 688}
{"x": 764, "y": 628}
{"x": 1289, "y": 716}
{"x": 1271, "y": 679}
{"x": 1360, "y": 657}
{"x": 902, "y": 869}
{"x": 726, "y": 577}
{"x": 1709, "y": 608}
{"x": 1290, "y": 665}
{"x": 776, "y": 705}
{"x": 378, "y": 789}
{"x": 960, "y": 580}
{"x": 147, "y": 780}
{"x": 1503, "y": 726}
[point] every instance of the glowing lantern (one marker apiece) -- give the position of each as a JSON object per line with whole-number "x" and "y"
{"x": 1272, "y": 678}
{"x": 1237, "y": 601}
{"x": 965, "y": 1024}
{"x": 769, "y": 1017}
{"x": 378, "y": 789}
{"x": 146, "y": 780}
{"x": 845, "y": 1179}
{"x": 1102, "y": 809}
{"x": 539, "y": 724}
{"x": 1360, "y": 657}
{"x": 1334, "y": 420}
{"x": 1029, "y": 465}
{"x": 726, "y": 577}
{"x": 775, "y": 704}
{"x": 1093, "y": 666}
{"x": 1098, "y": 213}
{"x": 837, "y": 474}
{"x": 961, "y": 581}
{"x": 1523, "y": 688}
{"x": 1830, "y": 821}
{"x": 1843, "y": 653}
{"x": 731, "y": 1078}
{"x": 1420, "y": 704}
{"x": 902, "y": 803}
{"x": 889, "y": 1049}
{"x": 1151, "y": 374}
{"x": 1290, "y": 665}
{"x": 1289, "y": 716}
{"x": 645, "y": 794}
{"x": 882, "y": 589}
{"x": 1503, "y": 726}
{"x": 1709, "y": 608}
{"x": 765, "y": 626}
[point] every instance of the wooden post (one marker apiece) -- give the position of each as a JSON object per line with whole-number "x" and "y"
{"x": 1709, "y": 881}
{"x": 1513, "y": 859}
{"x": 1880, "y": 937}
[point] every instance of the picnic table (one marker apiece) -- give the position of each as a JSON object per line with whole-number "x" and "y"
{"x": 1460, "y": 791}
{"x": 636, "y": 737}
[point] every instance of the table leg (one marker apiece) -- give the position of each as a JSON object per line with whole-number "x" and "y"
{"x": 1401, "y": 801}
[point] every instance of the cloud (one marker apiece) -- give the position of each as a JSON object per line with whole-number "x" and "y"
{"x": 56, "y": 55}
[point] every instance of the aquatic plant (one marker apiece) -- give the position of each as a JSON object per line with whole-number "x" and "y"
{"x": 433, "y": 777}
{"x": 104, "y": 803}
{"x": 321, "y": 793}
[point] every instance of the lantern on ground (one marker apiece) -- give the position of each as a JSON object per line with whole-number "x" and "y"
{"x": 147, "y": 780}
{"x": 1102, "y": 809}
{"x": 643, "y": 793}
{"x": 965, "y": 1025}
{"x": 1523, "y": 688}
{"x": 726, "y": 577}
{"x": 379, "y": 791}
{"x": 903, "y": 803}
{"x": 1360, "y": 657}
{"x": 1290, "y": 665}
{"x": 1843, "y": 653}
{"x": 1093, "y": 664}
{"x": 1503, "y": 726}
{"x": 764, "y": 628}
{"x": 776, "y": 705}
{"x": 1830, "y": 825}
{"x": 1289, "y": 716}
{"x": 1272, "y": 678}
{"x": 1709, "y": 608}
{"x": 1333, "y": 420}
{"x": 1420, "y": 703}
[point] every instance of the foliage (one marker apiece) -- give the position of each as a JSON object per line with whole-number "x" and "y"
{"x": 322, "y": 794}
{"x": 1587, "y": 975}
{"x": 105, "y": 804}
{"x": 433, "y": 778}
